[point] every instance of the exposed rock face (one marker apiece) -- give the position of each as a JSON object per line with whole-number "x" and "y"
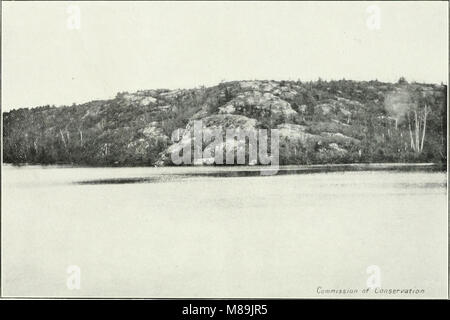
{"x": 340, "y": 138}
{"x": 148, "y": 100}
{"x": 154, "y": 132}
{"x": 229, "y": 108}
{"x": 334, "y": 146}
{"x": 294, "y": 132}
{"x": 211, "y": 126}
{"x": 260, "y": 104}
{"x": 138, "y": 99}
{"x": 250, "y": 84}
{"x": 227, "y": 121}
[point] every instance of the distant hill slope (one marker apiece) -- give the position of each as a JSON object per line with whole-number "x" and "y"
{"x": 319, "y": 122}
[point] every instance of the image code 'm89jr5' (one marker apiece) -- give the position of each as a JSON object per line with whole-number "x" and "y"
{"x": 246, "y": 309}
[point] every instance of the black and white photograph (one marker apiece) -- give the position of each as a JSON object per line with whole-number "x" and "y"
{"x": 224, "y": 150}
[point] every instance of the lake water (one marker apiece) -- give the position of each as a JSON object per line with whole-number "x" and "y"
{"x": 164, "y": 232}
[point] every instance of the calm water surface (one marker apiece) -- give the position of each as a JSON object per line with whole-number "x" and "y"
{"x": 164, "y": 232}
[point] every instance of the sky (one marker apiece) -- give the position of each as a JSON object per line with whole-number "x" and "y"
{"x": 53, "y": 55}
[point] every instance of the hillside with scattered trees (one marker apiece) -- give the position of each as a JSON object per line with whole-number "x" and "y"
{"x": 319, "y": 122}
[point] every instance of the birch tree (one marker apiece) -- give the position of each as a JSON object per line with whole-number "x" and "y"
{"x": 417, "y": 114}
{"x": 413, "y": 106}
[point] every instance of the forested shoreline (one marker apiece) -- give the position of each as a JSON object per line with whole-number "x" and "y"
{"x": 320, "y": 122}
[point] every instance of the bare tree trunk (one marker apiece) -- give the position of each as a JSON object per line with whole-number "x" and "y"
{"x": 81, "y": 137}
{"x": 417, "y": 131}
{"x": 410, "y": 134}
{"x": 63, "y": 140}
{"x": 424, "y": 127}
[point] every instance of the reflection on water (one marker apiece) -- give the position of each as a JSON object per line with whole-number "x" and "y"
{"x": 221, "y": 172}
{"x": 130, "y": 180}
{"x": 194, "y": 232}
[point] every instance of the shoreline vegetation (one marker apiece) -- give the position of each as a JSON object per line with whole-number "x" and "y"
{"x": 319, "y": 123}
{"x": 257, "y": 168}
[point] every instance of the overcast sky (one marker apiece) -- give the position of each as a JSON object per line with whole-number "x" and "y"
{"x": 123, "y": 46}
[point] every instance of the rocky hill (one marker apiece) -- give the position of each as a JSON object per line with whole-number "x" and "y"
{"x": 319, "y": 122}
